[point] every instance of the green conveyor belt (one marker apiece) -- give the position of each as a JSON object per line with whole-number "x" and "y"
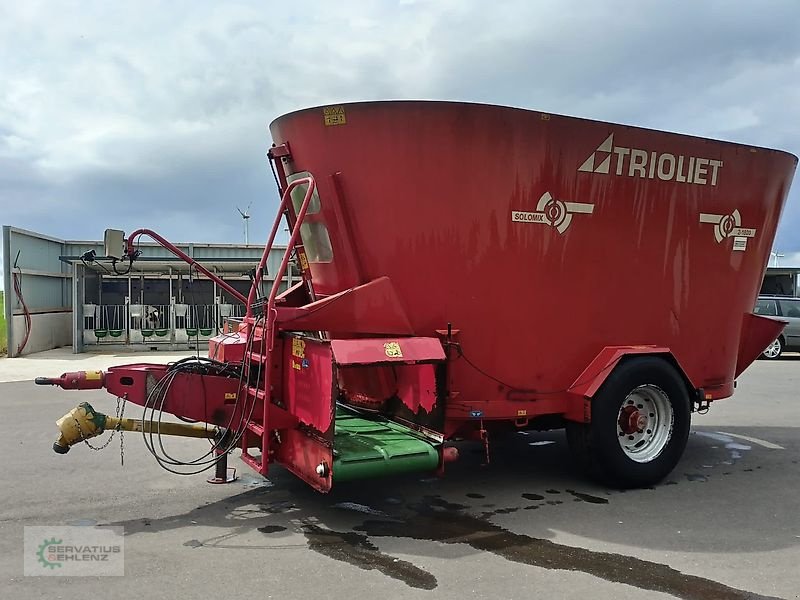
{"x": 364, "y": 448}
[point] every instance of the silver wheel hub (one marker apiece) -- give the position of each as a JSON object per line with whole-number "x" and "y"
{"x": 773, "y": 349}
{"x": 645, "y": 422}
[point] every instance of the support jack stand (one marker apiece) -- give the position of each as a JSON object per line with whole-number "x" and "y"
{"x": 222, "y": 472}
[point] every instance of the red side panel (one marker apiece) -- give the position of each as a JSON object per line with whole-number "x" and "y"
{"x": 308, "y": 383}
{"x": 387, "y": 350}
{"x": 308, "y": 394}
{"x": 370, "y": 308}
{"x": 757, "y": 333}
{"x": 301, "y": 455}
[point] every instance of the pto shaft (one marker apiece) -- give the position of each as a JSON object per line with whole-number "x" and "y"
{"x": 83, "y": 422}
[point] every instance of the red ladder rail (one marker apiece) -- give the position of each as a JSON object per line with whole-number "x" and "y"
{"x": 267, "y": 338}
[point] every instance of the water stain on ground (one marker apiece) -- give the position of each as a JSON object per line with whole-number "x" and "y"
{"x": 272, "y": 528}
{"x": 696, "y": 477}
{"x": 506, "y": 511}
{"x": 356, "y": 549}
{"x": 533, "y": 497}
{"x": 552, "y": 491}
{"x": 460, "y": 528}
{"x": 587, "y": 497}
{"x": 474, "y": 495}
{"x": 440, "y": 503}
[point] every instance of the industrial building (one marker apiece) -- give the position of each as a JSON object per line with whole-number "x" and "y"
{"x": 65, "y": 293}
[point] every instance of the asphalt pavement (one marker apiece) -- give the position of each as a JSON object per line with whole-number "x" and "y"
{"x": 724, "y": 524}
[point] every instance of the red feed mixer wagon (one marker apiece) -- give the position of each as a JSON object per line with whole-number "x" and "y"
{"x": 470, "y": 270}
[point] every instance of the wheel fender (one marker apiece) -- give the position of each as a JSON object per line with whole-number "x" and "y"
{"x": 594, "y": 375}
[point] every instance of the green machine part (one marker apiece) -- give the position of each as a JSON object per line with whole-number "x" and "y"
{"x": 365, "y": 448}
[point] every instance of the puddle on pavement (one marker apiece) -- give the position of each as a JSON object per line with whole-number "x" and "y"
{"x": 272, "y": 529}
{"x": 474, "y": 495}
{"x": 279, "y": 507}
{"x": 356, "y": 549}
{"x": 735, "y": 449}
{"x": 533, "y": 497}
{"x": 587, "y": 497}
{"x": 430, "y": 523}
{"x": 354, "y": 506}
{"x": 437, "y": 502}
{"x": 506, "y": 511}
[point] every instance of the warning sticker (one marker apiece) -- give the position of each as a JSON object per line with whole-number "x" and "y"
{"x": 334, "y": 115}
{"x": 303, "y": 261}
{"x": 739, "y": 243}
{"x": 393, "y": 350}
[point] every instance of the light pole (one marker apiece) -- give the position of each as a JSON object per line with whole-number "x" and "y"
{"x": 777, "y": 255}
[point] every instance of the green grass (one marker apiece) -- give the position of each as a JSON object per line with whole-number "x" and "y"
{"x": 3, "y": 341}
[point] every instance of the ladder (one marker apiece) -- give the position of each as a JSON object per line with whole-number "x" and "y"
{"x": 261, "y": 330}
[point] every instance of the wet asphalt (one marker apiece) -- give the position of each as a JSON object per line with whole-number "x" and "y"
{"x": 725, "y": 524}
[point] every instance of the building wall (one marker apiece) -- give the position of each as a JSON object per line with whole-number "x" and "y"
{"x": 48, "y": 330}
{"x": 46, "y": 285}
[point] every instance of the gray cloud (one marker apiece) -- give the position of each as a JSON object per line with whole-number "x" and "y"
{"x": 156, "y": 114}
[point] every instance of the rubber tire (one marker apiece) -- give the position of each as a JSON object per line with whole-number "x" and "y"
{"x": 781, "y": 346}
{"x": 595, "y": 445}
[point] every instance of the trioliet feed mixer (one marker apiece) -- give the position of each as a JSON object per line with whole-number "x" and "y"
{"x": 471, "y": 270}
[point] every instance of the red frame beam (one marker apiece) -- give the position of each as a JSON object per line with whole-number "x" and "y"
{"x": 130, "y": 251}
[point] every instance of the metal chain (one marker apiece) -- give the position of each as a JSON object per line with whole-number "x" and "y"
{"x": 122, "y": 433}
{"x": 118, "y": 413}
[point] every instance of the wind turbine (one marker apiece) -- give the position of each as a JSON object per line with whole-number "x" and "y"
{"x": 246, "y": 218}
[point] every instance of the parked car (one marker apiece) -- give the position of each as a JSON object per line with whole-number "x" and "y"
{"x": 785, "y": 309}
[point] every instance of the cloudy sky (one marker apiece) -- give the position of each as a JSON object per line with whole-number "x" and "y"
{"x": 131, "y": 114}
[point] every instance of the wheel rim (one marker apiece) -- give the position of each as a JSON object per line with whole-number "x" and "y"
{"x": 644, "y": 424}
{"x": 773, "y": 350}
